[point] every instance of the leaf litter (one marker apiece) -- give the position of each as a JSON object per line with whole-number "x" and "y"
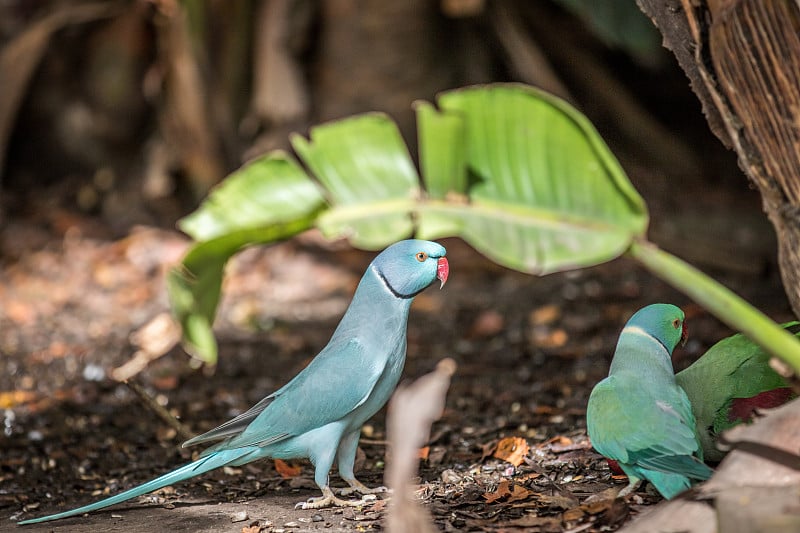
{"x": 509, "y": 452}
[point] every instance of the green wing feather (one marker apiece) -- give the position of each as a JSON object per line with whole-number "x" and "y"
{"x": 652, "y": 435}
{"x": 734, "y": 367}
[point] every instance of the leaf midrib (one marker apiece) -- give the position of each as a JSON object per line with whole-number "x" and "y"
{"x": 516, "y": 214}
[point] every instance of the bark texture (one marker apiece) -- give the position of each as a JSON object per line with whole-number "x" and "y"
{"x": 743, "y": 60}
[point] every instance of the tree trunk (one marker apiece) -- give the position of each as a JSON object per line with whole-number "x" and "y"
{"x": 379, "y": 76}
{"x": 743, "y": 60}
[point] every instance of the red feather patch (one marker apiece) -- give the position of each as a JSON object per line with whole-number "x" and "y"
{"x": 743, "y": 409}
{"x": 614, "y": 467}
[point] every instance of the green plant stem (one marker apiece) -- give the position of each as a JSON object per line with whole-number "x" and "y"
{"x": 721, "y": 301}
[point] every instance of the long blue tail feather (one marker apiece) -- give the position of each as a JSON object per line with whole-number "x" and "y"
{"x": 201, "y": 466}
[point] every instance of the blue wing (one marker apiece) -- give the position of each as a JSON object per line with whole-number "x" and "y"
{"x": 333, "y": 385}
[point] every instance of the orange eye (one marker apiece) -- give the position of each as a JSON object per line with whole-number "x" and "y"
{"x": 421, "y": 256}
{"x": 676, "y": 323}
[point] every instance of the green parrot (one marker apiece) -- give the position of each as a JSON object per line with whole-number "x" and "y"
{"x": 638, "y": 416}
{"x": 728, "y": 384}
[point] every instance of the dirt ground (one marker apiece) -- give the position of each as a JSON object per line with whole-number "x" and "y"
{"x": 528, "y": 351}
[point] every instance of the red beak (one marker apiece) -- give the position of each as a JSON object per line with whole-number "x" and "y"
{"x": 684, "y": 334}
{"x": 442, "y": 270}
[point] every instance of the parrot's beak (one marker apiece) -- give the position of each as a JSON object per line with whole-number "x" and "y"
{"x": 442, "y": 270}
{"x": 684, "y": 334}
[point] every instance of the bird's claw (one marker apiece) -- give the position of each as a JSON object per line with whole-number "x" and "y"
{"x": 333, "y": 501}
{"x": 363, "y": 490}
{"x": 630, "y": 488}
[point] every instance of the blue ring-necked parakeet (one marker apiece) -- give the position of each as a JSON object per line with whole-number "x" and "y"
{"x": 638, "y": 416}
{"x": 728, "y": 384}
{"x": 318, "y": 415}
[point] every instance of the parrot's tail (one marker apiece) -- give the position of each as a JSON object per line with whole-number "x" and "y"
{"x": 201, "y": 466}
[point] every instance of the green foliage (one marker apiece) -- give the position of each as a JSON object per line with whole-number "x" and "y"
{"x": 721, "y": 301}
{"x": 517, "y": 173}
{"x": 265, "y": 201}
{"x": 543, "y": 192}
{"x": 368, "y": 176}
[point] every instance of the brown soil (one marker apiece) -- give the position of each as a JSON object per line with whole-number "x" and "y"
{"x": 529, "y": 350}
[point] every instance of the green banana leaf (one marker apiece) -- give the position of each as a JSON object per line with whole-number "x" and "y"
{"x": 370, "y": 180}
{"x": 543, "y": 192}
{"x": 517, "y": 173}
{"x": 265, "y": 201}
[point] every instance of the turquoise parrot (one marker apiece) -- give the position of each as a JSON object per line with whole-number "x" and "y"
{"x": 728, "y": 384}
{"x": 638, "y": 416}
{"x": 318, "y": 415}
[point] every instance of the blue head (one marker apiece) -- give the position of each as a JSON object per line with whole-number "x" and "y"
{"x": 662, "y": 321}
{"x": 408, "y": 267}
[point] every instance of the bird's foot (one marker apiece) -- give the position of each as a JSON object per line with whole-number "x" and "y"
{"x": 630, "y": 488}
{"x": 357, "y": 487}
{"x": 329, "y": 500}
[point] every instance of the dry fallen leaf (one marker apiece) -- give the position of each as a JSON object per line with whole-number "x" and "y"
{"x": 600, "y": 505}
{"x": 503, "y": 490}
{"x": 11, "y": 399}
{"x": 754, "y": 489}
{"x": 600, "y": 499}
{"x": 561, "y": 440}
{"x": 523, "y": 478}
{"x": 544, "y": 337}
{"x": 519, "y": 493}
{"x": 286, "y": 470}
{"x": 572, "y": 515}
{"x": 487, "y": 324}
{"x": 512, "y": 450}
{"x": 378, "y": 507}
{"x": 557, "y": 501}
{"x": 424, "y": 452}
{"x": 541, "y": 523}
{"x": 21, "y": 313}
{"x": 544, "y": 315}
{"x": 154, "y": 339}
{"x": 166, "y": 382}
{"x": 508, "y": 492}
{"x": 157, "y": 336}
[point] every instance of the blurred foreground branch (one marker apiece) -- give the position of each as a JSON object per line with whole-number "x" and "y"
{"x": 412, "y": 410}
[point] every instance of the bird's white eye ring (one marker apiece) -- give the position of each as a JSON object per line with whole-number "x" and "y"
{"x": 421, "y": 256}
{"x": 676, "y": 323}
